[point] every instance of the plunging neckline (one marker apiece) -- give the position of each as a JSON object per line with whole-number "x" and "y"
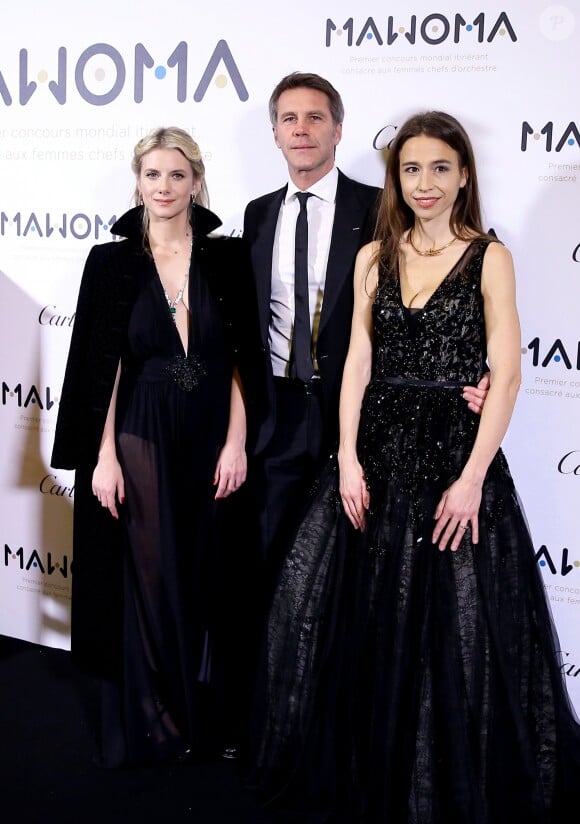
{"x": 183, "y": 350}
{"x": 443, "y": 280}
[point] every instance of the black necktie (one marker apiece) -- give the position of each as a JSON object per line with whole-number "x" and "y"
{"x": 301, "y": 359}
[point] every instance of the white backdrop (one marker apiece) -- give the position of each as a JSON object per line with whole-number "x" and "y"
{"x": 81, "y": 83}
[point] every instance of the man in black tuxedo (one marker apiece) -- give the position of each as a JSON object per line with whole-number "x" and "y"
{"x": 292, "y": 421}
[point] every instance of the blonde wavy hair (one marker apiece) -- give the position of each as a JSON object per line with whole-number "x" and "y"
{"x": 170, "y": 137}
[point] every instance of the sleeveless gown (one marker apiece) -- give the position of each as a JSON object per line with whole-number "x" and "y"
{"x": 401, "y": 684}
{"x": 172, "y": 416}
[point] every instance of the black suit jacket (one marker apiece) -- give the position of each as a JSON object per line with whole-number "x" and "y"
{"x": 354, "y": 223}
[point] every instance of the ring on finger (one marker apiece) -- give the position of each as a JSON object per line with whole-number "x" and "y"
{"x": 463, "y": 526}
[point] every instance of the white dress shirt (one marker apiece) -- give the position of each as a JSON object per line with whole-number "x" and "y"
{"x": 320, "y": 221}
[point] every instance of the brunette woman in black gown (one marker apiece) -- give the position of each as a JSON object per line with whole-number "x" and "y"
{"x": 152, "y": 419}
{"x": 411, "y": 673}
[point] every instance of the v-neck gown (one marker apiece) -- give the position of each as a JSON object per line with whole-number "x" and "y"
{"x": 401, "y": 684}
{"x": 172, "y": 416}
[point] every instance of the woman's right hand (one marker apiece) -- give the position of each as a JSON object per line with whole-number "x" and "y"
{"x": 353, "y": 491}
{"x": 108, "y": 484}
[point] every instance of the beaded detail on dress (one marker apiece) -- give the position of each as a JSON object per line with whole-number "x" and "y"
{"x": 415, "y": 421}
{"x": 186, "y": 371}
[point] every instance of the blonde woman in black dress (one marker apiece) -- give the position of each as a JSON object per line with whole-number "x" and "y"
{"x": 152, "y": 418}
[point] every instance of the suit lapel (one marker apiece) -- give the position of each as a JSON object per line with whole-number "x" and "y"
{"x": 349, "y": 221}
{"x": 262, "y": 251}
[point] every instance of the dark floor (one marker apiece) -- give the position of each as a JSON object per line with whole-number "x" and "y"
{"x": 46, "y": 770}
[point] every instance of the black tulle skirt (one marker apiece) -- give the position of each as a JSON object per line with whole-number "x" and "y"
{"x": 404, "y": 685}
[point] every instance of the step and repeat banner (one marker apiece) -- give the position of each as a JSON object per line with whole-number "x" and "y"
{"x": 81, "y": 83}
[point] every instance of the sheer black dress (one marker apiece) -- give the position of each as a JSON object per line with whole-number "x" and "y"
{"x": 172, "y": 418}
{"x": 402, "y": 684}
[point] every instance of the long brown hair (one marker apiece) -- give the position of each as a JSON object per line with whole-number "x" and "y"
{"x": 394, "y": 217}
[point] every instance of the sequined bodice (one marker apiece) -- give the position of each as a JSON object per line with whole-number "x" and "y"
{"x": 446, "y": 340}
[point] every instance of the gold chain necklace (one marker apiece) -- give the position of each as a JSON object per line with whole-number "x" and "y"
{"x": 430, "y": 252}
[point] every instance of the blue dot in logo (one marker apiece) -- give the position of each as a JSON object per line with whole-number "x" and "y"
{"x": 469, "y": 27}
{"x": 160, "y": 72}
{"x": 570, "y": 141}
{"x": 557, "y": 358}
{"x": 369, "y": 35}
{"x": 542, "y": 562}
{"x": 105, "y": 226}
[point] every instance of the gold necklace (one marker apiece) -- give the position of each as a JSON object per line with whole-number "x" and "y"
{"x": 430, "y": 252}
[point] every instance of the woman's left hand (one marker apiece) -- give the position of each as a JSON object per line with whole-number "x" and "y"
{"x": 231, "y": 470}
{"x": 353, "y": 491}
{"x": 456, "y": 513}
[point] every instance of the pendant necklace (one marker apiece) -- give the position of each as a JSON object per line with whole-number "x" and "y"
{"x": 173, "y": 303}
{"x": 430, "y": 252}
{"x": 179, "y": 296}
